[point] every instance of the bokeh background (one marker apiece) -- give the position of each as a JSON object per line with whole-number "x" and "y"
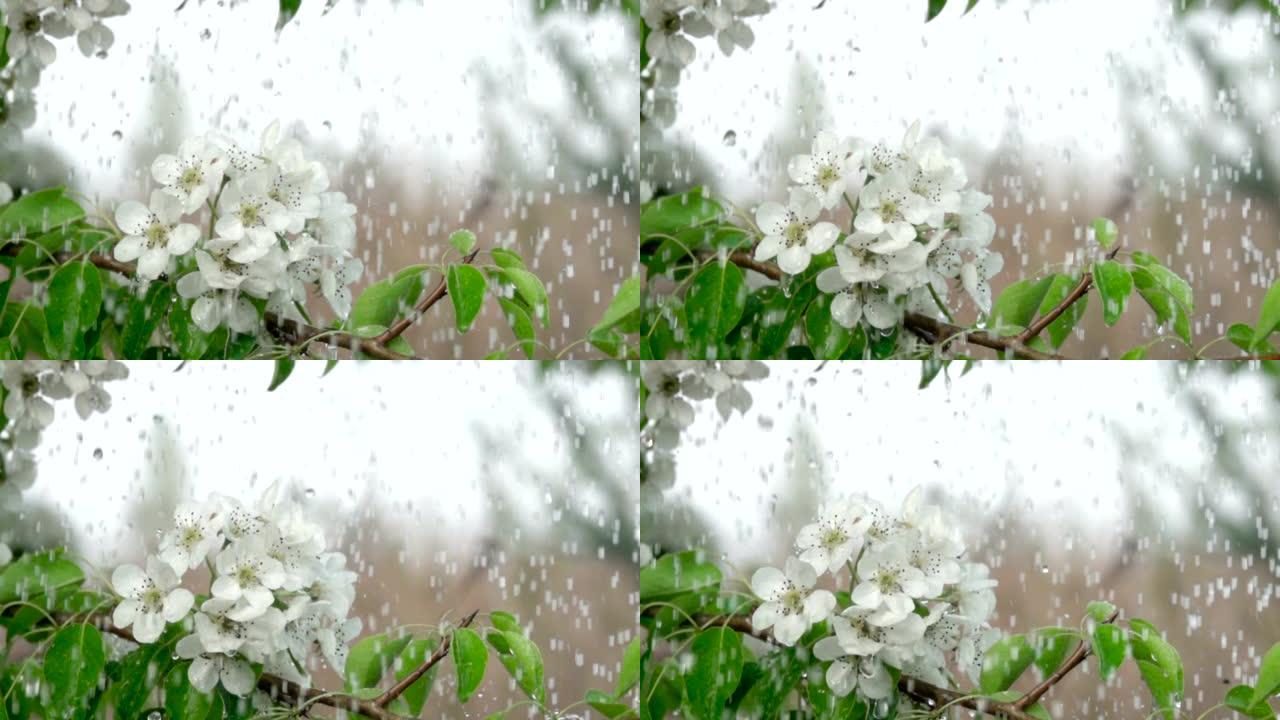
{"x": 502, "y": 116}
{"x": 1063, "y": 110}
{"x": 1151, "y": 485}
{"x": 450, "y": 487}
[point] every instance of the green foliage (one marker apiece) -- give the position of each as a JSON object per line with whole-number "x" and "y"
{"x": 469, "y": 659}
{"x": 1160, "y": 666}
{"x": 678, "y": 574}
{"x": 1105, "y": 233}
{"x": 1168, "y": 295}
{"x": 411, "y": 658}
{"x": 75, "y": 298}
{"x": 37, "y": 213}
{"x": 718, "y": 656}
{"x": 75, "y": 658}
{"x": 668, "y": 215}
{"x": 467, "y": 288}
{"x": 1111, "y": 646}
{"x": 181, "y": 700}
{"x": 1268, "y": 677}
{"x": 464, "y": 241}
{"x": 1005, "y": 662}
{"x": 522, "y": 660}
{"x": 1114, "y": 285}
{"x": 370, "y": 658}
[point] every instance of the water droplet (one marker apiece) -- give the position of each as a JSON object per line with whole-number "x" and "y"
{"x": 97, "y": 453}
{"x": 205, "y": 34}
{"x": 117, "y": 135}
{"x": 1044, "y": 569}
{"x": 730, "y": 138}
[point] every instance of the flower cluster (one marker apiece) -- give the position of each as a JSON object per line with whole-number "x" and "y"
{"x": 916, "y": 227}
{"x": 275, "y": 593}
{"x": 32, "y": 26}
{"x": 913, "y": 601}
{"x": 671, "y": 387}
{"x": 30, "y": 386}
{"x": 274, "y": 230}
{"x": 671, "y": 24}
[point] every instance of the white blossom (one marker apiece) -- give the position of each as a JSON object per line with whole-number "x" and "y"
{"x": 150, "y": 599}
{"x": 153, "y": 233}
{"x": 791, "y": 604}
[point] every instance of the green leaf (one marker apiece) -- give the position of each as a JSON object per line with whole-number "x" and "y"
{"x": 1059, "y": 288}
{"x": 181, "y": 700}
{"x": 677, "y": 574}
{"x": 1163, "y": 686}
{"x": 75, "y": 298}
{"x": 1137, "y": 353}
{"x": 1005, "y": 662}
{"x": 521, "y": 325}
{"x": 625, "y": 304}
{"x": 765, "y": 685}
{"x": 715, "y": 301}
{"x": 1242, "y": 336}
{"x": 506, "y": 258}
{"x": 466, "y": 286}
{"x": 411, "y": 658}
{"x": 1111, "y": 645}
{"x": 288, "y": 8}
{"x": 370, "y": 658}
{"x": 383, "y": 301}
{"x": 606, "y": 704}
{"x": 522, "y": 660}
{"x": 72, "y": 664}
{"x": 38, "y": 574}
{"x": 779, "y": 316}
{"x": 1100, "y": 610}
{"x": 1238, "y": 699}
{"x": 1269, "y": 315}
{"x": 469, "y": 659}
{"x": 1105, "y": 232}
{"x": 192, "y": 342}
{"x": 529, "y": 287}
{"x": 505, "y": 621}
{"x": 714, "y": 674}
{"x": 1114, "y": 285}
{"x": 142, "y": 670}
{"x": 629, "y": 675}
{"x": 935, "y": 7}
{"x": 144, "y": 317}
{"x": 284, "y": 367}
{"x": 673, "y": 213}
{"x": 1268, "y": 676}
{"x": 463, "y": 240}
{"x": 827, "y": 338}
{"x": 1159, "y": 664}
{"x": 1052, "y": 644}
{"x": 37, "y": 213}
{"x": 1017, "y": 305}
{"x": 1162, "y": 300}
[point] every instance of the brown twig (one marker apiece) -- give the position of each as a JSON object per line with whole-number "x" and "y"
{"x": 1080, "y": 290}
{"x": 918, "y": 323}
{"x": 1082, "y": 651}
{"x": 441, "y": 289}
{"x": 398, "y": 689}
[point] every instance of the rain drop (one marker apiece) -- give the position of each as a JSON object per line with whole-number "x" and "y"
{"x": 730, "y": 138}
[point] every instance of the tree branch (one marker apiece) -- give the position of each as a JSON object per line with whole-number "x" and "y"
{"x": 398, "y": 689}
{"x": 1081, "y": 652}
{"x": 1077, "y": 292}
{"x": 441, "y": 289}
{"x": 931, "y": 329}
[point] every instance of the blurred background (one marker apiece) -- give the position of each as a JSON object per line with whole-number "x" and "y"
{"x": 501, "y": 116}
{"x": 1151, "y": 485}
{"x": 1160, "y": 117}
{"x": 450, "y": 488}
